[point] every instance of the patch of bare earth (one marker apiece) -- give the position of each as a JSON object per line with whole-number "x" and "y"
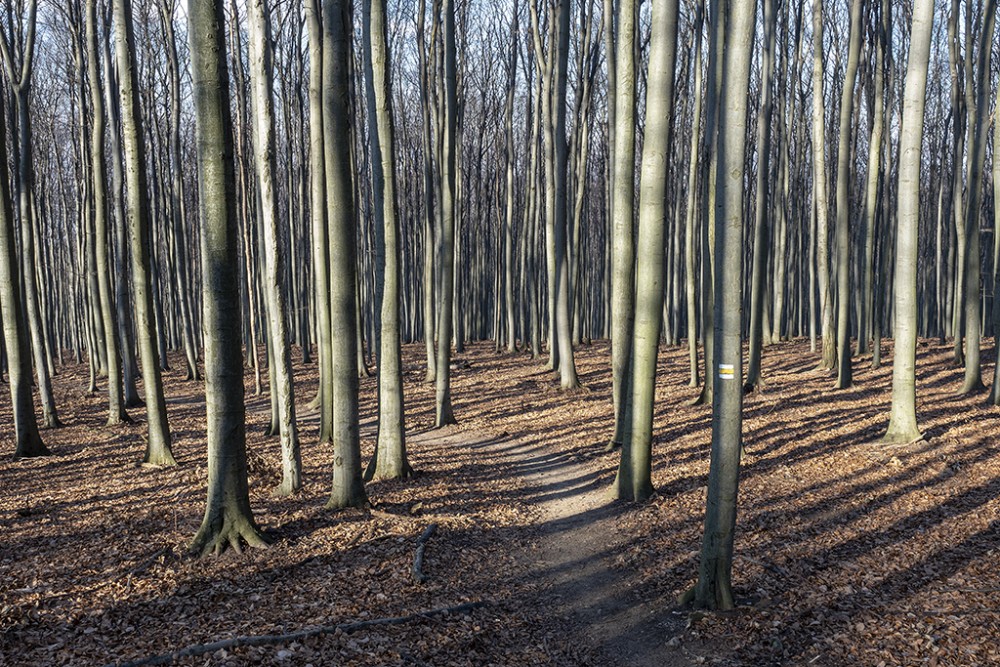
{"x": 848, "y": 551}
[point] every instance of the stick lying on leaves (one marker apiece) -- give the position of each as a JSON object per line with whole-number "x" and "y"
{"x": 418, "y": 556}
{"x": 263, "y": 640}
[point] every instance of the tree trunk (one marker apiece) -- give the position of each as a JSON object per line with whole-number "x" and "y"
{"x": 389, "y": 460}
{"x": 228, "y": 518}
{"x": 714, "y": 587}
{"x": 633, "y": 481}
{"x": 261, "y": 63}
{"x": 348, "y": 489}
{"x": 158, "y": 450}
{"x": 843, "y": 201}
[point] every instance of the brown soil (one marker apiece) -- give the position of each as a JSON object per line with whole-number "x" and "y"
{"x": 848, "y": 551}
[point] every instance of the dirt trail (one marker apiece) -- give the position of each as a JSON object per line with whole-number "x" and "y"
{"x": 578, "y": 545}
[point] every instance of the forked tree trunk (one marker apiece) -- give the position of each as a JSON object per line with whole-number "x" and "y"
{"x": 633, "y": 481}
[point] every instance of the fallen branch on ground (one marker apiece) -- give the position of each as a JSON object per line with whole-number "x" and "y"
{"x": 263, "y": 640}
{"x": 418, "y": 556}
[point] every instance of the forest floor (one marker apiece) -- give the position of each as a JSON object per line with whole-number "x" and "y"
{"x": 848, "y": 552}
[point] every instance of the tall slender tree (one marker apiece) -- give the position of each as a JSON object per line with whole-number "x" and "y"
{"x": 158, "y": 449}
{"x": 261, "y": 71}
{"x": 15, "y": 326}
{"x": 633, "y": 481}
{"x": 389, "y": 460}
{"x": 116, "y": 399}
{"x": 843, "y": 230}
{"x": 443, "y": 411}
{"x": 228, "y": 519}
{"x": 18, "y": 66}
{"x": 903, "y": 416}
{"x": 348, "y": 489}
{"x": 714, "y": 587}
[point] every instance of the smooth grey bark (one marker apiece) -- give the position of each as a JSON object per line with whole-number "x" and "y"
{"x": 622, "y": 241}
{"x": 228, "y": 518}
{"x": 116, "y": 399}
{"x": 443, "y": 411}
{"x": 714, "y": 587}
{"x": 559, "y": 206}
{"x": 843, "y": 231}
{"x": 977, "y": 156}
{"x": 348, "y": 488}
{"x": 873, "y": 180}
{"x": 178, "y": 201}
{"x": 713, "y": 95}
{"x": 261, "y": 99}
{"x": 763, "y": 205}
{"x": 820, "y": 197}
{"x": 317, "y": 211}
{"x": 126, "y": 327}
{"x": 633, "y": 481}
{"x": 510, "y": 203}
{"x": 15, "y": 326}
{"x": 389, "y": 460}
{"x": 428, "y": 184}
{"x": 158, "y": 450}
{"x": 690, "y": 229}
{"x": 19, "y": 73}
{"x": 994, "y": 396}
{"x": 903, "y": 414}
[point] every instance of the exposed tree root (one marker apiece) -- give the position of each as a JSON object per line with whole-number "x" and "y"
{"x": 263, "y": 640}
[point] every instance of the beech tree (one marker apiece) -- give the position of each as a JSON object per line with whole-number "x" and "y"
{"x": 261, "y": 63}
{"x": 16, "y": 344}
{"x": 158, "y": 449}
{"x": 714, "y": 587}
{"x": 228, "y": 519}
{"x": 633, "y": 480}
{"x": 903, "y": 417}
{"x": 389, "y": 460}
{"x": 348, "y": 489}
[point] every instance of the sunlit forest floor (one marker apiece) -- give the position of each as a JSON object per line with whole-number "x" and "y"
{"x": 848, "y": 552}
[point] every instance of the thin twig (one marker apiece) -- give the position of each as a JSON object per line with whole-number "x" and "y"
{"x": 263, "y": 640}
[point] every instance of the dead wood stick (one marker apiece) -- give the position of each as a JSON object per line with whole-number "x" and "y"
{"x": 418, "y": 556}
{"x": 263, "y": 640}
